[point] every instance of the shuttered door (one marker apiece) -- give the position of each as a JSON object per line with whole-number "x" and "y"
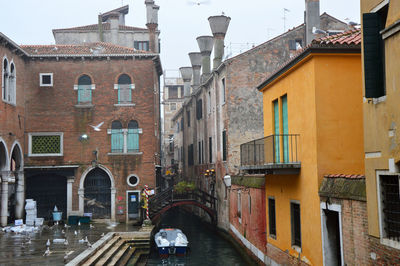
{"x": 276, "y": 130}
{"x": 373, "y": 56}
{"x": 285, "y": 129}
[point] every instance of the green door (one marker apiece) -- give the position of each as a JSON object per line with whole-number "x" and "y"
{"x": 276, "y": 131}
{"x": 285, "y": 129}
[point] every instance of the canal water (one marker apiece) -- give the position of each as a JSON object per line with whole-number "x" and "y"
{"x": 206, "y": 246}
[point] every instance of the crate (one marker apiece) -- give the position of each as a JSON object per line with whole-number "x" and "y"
{"x": 73, "y": 219}
{"x": 84, "y": 219}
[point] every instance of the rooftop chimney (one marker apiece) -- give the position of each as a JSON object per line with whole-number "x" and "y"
{"x": 195, "y": 60}
{"x": 114, "y": 27}
{"x": 219, "y": 26}
{"x": 205, "y": 44}
{"x": 186, "y": 73}
{"x": 152, "y": 24}
{"x": 311, "y": 19}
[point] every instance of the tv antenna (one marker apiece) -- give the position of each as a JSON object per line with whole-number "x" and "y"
{"x": 284, "y": 18}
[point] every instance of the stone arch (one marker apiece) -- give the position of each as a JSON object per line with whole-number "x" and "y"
{"x": 81, "y": 191}
{"x": 123, "y": 73}
{"x": 16, "y": 153}
{"x": 4, "y": 156}
{"x": 84, "y": 74}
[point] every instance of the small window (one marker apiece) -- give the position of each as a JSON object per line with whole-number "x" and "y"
{"x": 272, "y": 217}
{"x": 172, "y": 106}
{"x": 223, "y": 90}
{"x": 46, "y": 79}
{"x": 295, "y": 224}
{"x": 210, "y": 149}
{"x": 224, "y": 145}
{"x": 141, "y": 45}
{"x": 132, "y": 180}
{"x": 199, "y": 109}
{"x": 84, "y": 90}
{"x": 190, "y": 154}
{"x": 45, "y": 144}
{"x": 125, "y": 87}
{"x": 173, "y": 92}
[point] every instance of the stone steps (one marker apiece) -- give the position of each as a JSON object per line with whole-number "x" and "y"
{"x": 120, "y": 254}
{"x": 99, "y": 253}
{"x": 106, "y": 257}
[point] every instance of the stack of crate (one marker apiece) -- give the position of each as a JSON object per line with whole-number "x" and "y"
{"x": 31, "y": 212}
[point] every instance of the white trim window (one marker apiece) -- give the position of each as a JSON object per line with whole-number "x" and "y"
{"x": 46, "y": 79}
{"x": 9, "y": 90}
{"x": 84, "y": 88}
{"x": 124, "y": 87}
{"x": 46, "y": 144}
{"x": 389, "y": 207}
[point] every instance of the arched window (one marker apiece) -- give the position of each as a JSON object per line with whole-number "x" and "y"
{"x": 117, "y": 137}
{"x": 125, "y": 87}
{"x": 85, "y": 89}
{"x": 5, "y": 79}
{"x": 12, "y": 84}
{"x": 133, "y": 136}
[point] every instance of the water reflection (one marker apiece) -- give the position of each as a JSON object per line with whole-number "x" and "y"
{"x": 206, "y": 246}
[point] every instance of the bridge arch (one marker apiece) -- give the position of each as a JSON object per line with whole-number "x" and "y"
{"x": 211, "y": 213}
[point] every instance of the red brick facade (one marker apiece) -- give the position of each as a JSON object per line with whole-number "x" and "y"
{"x": 54, "y": 109}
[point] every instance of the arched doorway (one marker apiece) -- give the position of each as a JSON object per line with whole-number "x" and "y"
{"x": 4, "y": 167}
{"x": 97, "y": 194}
{"x": 17, "y": 166}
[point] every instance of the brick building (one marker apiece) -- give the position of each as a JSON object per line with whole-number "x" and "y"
{"x": 223, "y": 109}
{"x": 63, "y": 90}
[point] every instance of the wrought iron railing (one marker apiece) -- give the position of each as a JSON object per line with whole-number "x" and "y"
{"x": 274, "y": 149}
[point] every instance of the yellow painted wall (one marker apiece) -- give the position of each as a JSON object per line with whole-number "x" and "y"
{"x": 324, "y": 106}
{"x": 380, "y": 118}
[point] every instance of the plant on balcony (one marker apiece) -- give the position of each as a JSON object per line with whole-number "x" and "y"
{"x": 184, "y": 187}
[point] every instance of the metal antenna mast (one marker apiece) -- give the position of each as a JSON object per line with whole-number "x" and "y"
{"x": 284, "y": 18}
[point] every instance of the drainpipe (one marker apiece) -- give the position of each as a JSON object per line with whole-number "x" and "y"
{"x": 195, "y": 59}
{"x": 219, "y": 26}
{"x": 186, "y": 73}
{"x": 206, "y": 44}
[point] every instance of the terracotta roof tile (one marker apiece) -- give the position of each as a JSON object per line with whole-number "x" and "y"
{"x": 345, "y": 176}
{"x": 93, "y": 27}
{"x": 348, "y": 37}
{"x": 98, "y": 48}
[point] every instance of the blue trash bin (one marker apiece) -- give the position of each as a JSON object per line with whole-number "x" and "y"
{"x": 57, "y": 216}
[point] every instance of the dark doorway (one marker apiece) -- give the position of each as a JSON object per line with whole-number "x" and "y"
{"x": 133, "y": 205}
{"x": 332, "y": 248}
{"x": 98, "y": 194}
{"x": 48, "y": 190}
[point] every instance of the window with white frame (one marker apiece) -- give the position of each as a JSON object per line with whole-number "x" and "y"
{"x": 46, "y": 79}
{"x": 46, "y": 144}
{"x": 390, "y": 209}
{"x": 9, "y": 90}
{"x": 132, "y": 180}
{"x": 125, "y": 140}
{"x": 84, "y": 89}
{"x": 124, "y": 87}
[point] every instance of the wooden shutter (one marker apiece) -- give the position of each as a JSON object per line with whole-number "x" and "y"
{"x": 373, "y": 56}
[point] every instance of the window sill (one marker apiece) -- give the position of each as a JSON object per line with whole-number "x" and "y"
{"x": 84, "y": 105}
{"x": 10, "y": 103}
{"x": 391, "y": 243}
{"x": 124, "y": 153}
{"x": 124, "y": 104}
{"x": 46, "y": 155}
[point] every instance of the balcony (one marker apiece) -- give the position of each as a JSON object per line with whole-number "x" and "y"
{"x": 275, "y": 154}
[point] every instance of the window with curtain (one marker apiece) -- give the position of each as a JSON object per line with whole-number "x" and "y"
{"x": 117, "y": 137}
{"x": 133, "y": 136}
{"x": 84, "y": 89}
{"x": 124, "y": 89}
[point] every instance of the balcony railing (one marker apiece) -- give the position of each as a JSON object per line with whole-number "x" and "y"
{"x": 275, "y": 151}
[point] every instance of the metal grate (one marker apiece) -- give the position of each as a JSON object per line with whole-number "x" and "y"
{"x": 46, "y": 144}
{"x": 391, "y": 206}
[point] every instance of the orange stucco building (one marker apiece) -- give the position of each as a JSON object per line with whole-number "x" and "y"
{"x": 313, "y": 126}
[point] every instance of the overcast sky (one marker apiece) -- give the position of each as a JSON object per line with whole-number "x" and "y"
{"x": 180, "y": 21}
